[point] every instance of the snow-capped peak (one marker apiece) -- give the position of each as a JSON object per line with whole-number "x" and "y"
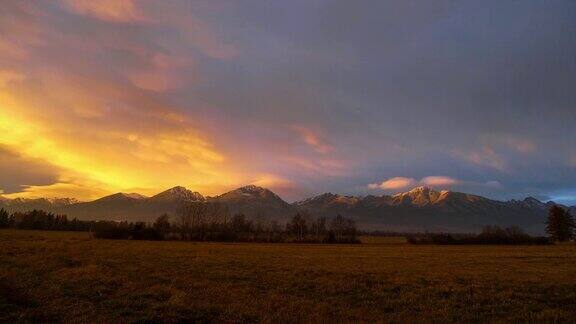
{"x": 251, "y": 189}
{"x": 179, "y": 193}
{"x": 419, "y": 196}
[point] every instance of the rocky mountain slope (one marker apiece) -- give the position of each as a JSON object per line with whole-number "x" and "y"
{"x": 424, "y": 209}
{"x": 256, "y": 202}
{"x": 419, "y": 209}
{"x": 25, "y": 204}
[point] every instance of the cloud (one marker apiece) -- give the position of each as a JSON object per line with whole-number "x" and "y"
{"x": 572, "y": 161}
{"x": 439, "y": 181}
{"x": 394, "y": 183}
{"x": 398, "y": 183}
{"x": 521, "y": 145}
{"x": 162, "y": 73}
{"x": 497, "y": 151}
{"x": 486, "y": 156}
{"x": 316, "y": 166}
{"x": 10, "y": 50}
{"x": 72, "y": 106}
{"x": 493, "y": 184}
{"x": 17, "y": 171}
{"x": 108, "y": 10}
{"x": 151, "y": 94}
{"x": 272, "y": 181}
{"x": 7, "y": 76}
{"x": 58, "y": 190}
{"x": 313, "y": 138}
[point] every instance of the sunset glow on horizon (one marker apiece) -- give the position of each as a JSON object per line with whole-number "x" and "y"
{"x": 106, "y": 96}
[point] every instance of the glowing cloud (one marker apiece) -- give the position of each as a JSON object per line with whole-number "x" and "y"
{"x": 272, "y": 181}
{"x": 313, "y": 139}
{"x": 398, "y": 183}
{"x": 142, "y": 95}
{"x": 394, "y": 183}
{"x": 8, "y": 76}
{"x": 109, "y": 10}
{"x": 439, "y": 181}
{"x": 112, "y": 162}
{"x": 87, "y": 111}
{"x": 486, "y": 156}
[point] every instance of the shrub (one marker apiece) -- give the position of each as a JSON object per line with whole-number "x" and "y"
{"x": 140, "y": 231}
{"x": 489, "y": 235}
{"x": 111, "y": 230}
{"x": 560, "y": 225}
{"x": 4, "y": 218}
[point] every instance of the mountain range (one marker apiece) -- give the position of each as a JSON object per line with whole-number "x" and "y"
{"x": 420, "y": 209}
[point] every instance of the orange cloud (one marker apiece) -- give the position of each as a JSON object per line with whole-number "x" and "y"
{"x": 439, "y": 181}
{"x": 162, "y": 74}
{"x": 110, "y": 164}
{"x": 58, "y": 190}
{"x": 110, "y": 136}
{"x": 319, "y": 166}
{"x": 77, "y": 103}
{"x": 8, "y": 76}
{"x": 398, "y": 183}
{"x": 272, "y": 181}
{"x": 394, "y": 183}
{"x": 486, "y": 156}
{"x": 12, "y": 50}
{"x": 313, "y": 139}
{"x": 108, "y": 10}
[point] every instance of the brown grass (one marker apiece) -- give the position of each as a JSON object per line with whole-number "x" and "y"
{"x": 57, "y": 276}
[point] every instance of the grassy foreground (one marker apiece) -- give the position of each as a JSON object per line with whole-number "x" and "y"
{"x": 59, "y": 276}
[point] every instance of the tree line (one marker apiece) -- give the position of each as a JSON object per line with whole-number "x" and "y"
{"x": 560, "y": 227}
{"x": 41, "y": 220}
{"x": 196, "y": 222}
{"x": 489, "y": 235}
{"x": 212, "y": 222}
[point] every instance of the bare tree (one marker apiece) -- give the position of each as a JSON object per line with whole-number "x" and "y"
{"x": 191, "y": 216}
{"x": 318, "y": 228}
{"x": 198, "y": 219}
{"x": 298, "y": 227}
{"x": 162, "y": 225}
{"x": 343, "y": 229}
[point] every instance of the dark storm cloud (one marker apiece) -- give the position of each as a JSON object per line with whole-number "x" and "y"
{"x": 17, "y": 171}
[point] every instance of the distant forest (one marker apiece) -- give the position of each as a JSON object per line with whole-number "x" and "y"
{"x": 196, "y": 222}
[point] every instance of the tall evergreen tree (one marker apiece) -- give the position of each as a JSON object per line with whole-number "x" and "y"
{"x": 4, "y": 218}
{"x": 560, "y": 225}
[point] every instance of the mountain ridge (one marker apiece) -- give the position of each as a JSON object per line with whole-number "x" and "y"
{"x": 422, "y": 208}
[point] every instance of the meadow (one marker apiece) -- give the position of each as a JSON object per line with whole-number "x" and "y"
{"x": 71, "y": 277}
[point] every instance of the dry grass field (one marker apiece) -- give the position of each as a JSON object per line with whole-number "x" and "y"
{"x": 58, "y": 276}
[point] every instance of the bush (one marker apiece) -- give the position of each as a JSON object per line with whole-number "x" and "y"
{"x": 4, "y": 218}
{"x": 111, "y": 230}
{"x": 142, "y": 232}
{"x": 489, "y": 235}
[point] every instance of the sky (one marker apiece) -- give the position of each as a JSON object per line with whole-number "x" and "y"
{"x": 301, "y": 96}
